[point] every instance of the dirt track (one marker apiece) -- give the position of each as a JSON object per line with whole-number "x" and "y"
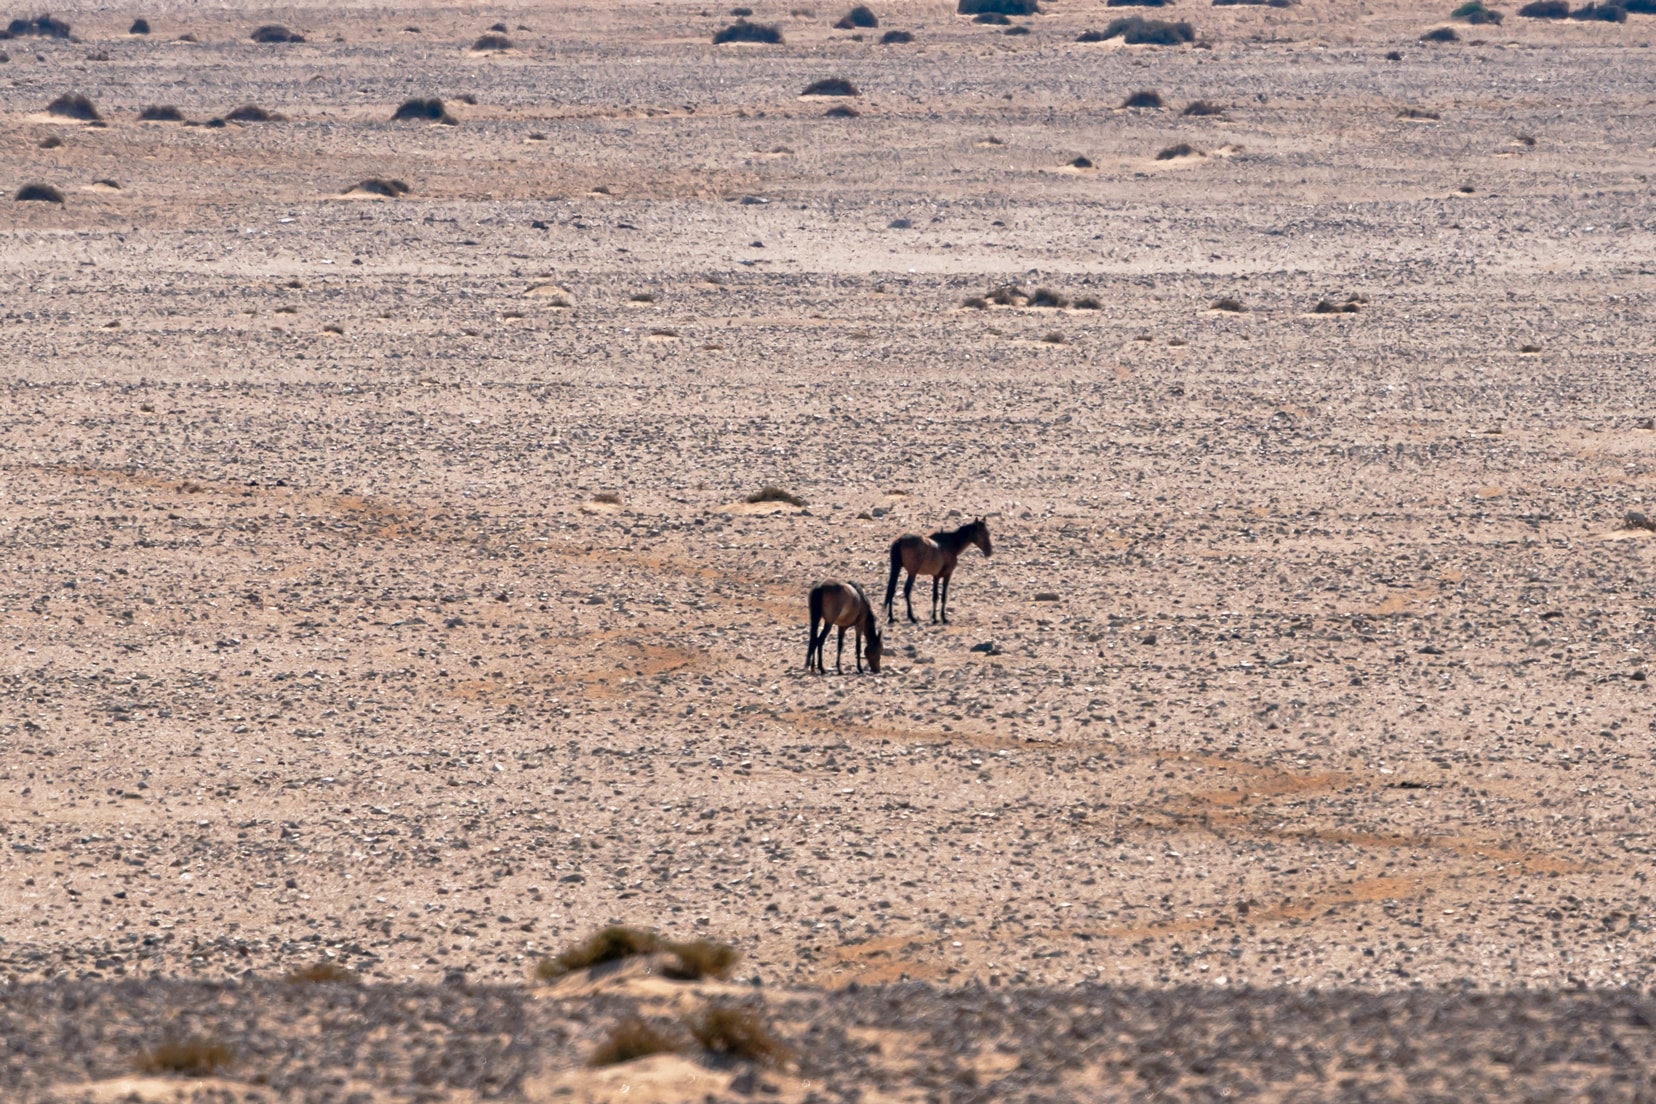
{"x": 1313, "y": 650}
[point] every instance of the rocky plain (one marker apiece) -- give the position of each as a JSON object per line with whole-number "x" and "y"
{"x": 389, "y": 597}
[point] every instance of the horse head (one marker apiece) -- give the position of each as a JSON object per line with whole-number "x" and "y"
{"x": 980, "y": 535}
{"x": 873, "y": 647}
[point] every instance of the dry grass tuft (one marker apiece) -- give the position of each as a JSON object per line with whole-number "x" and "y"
{"x": 975, "y": 302}
{"x": 737, "y": 1032}
{"x": 701, "y": 958}
{"x": 1234, "y": 306}
{"x": 743, "y": 31}
{"x": 1203, "y": 108}
{"x": 275, "y": 32}
{"x": 73, "y": 105}
{"x": 998, "y": 7}
{"x": 1441, "y": 34}
{"x": 1088, "y": 302}
{"x": 430, "y": 109}
{"x": 1137, "y": 31}
{"x": 1173, "y": 153}
{"x": 772, "y": 493}
{"x": 42, "y": 26}
{"x": 1009, "y": 295}
{"x": 831, "y": 86}
{"x": 1329, "y": 306}
{"x": 896, "y": 38}
{"x": 631, "y": 1039}
{"x": 160, "y": 113}
{"x": 51, "y": 141}
{"x": 189, "y": 1057}
{"x": 1046, "y": 297}
{"x": 322, "y": 973}
{"x": 376, "y": 185}
{"x": 44, "y": 193}
{"x": 1055, "y": 338}
{"x": 613, "y": 944}
{"x": 1081, "y": 163}
{"x": 841, "y": 111}
{"x": 860, "y": 16}
{"x": 491, "y": 42}
{"x": 609, "y": 498}
{"x": 1545, "y": 9}
{"x": 253, "y": 113}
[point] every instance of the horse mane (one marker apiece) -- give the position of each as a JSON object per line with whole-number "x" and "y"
{"x": 962, "y": 534}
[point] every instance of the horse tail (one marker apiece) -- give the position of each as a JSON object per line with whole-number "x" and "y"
{"x": 896, "y": 570}
{"x": 816, "y": 618}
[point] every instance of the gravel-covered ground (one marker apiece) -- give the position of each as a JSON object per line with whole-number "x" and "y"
{"x": 380, "y": 587}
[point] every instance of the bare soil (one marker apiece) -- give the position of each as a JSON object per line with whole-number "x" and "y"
{"x": 380, "y": 587}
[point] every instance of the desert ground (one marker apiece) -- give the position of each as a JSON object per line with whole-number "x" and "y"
{"x": 380, "y": 586}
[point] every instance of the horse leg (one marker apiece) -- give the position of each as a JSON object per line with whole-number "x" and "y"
{"x": 839, "y": 653}
{"x": 937, "y": 581}
{"x": 856, "y": 647}
{"x": 947, "y": 575}
{"x": 811, "y": 646}
{"x": 908, "y": 598}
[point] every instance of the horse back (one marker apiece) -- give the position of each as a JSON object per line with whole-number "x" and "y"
{"x": 843, "y": 604}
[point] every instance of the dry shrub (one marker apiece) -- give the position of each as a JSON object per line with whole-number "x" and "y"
{"x": 1009, "y": 295}
{"x": 831, "y": 86}
{"x": 1418, "y": 113}
{"x": 1145, "y": 98}
{"x": 998, "y": 7}
{"x": 1081, "y": 163}
{"x": 1529, "y": 348}
{"x": 975, "y": 302}
{"x": 743, "y": 31}
{"x": 1137, "y": 31}
{"x": 1441, "y": 34}
{"x": 139, "y": 26}
{"x": 376, "y": 185}
{"x": 253, "y": 113}
{"x": 42, "y": 26}
{"x": 322, "y": 973}
{"x": 196, "y": 1057}
{"x": 1329, "y": 306}
{"x": 1182, "y": 149}
{"x": 1545, "y": 9}
{"x": 275, "y": 32}
{"x": 1636, "y": 519}
{"x": 1203, "y": 108}
{"x": 631, "y": 1039}
{"x": 1018, "y": 30}
{"x": 1088, "y": 302}
{"x": 736, "y": 1032}
{"x": 492, "y": 41}
{"x": 73, "y": 105}
{"x": 860, "y": 16}
{"x": 609, "y": 498}
{"x": 1046, "y": 297}
{"x": 430, "y": 109}
{"x": 44, "y": 193}
{"x": 993, "y": 19}
{"x": 842, "y": 111}
{"x": 641, "y": 297}
{"x": 613, "y": 944}
{"x": 1054, "y": 338}
{"x": 1229, "y": 304}
{"x": 108, "y": 182}
{"x": 701, "y": 958}
{"x": 1137, "y": 3}
{"x": 772, "y": 493}
{"x": 51, "y": 141}
{"x": 896, "y": 38}
{"x": 1090, "y": 36}
{"x": 1608, "y": 13}
{"x": 160, "y": 113}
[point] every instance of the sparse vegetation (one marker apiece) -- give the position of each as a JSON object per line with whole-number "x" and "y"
{"x": 1351, "y": 305}
{"x": 1545, "y": 9}
{"x": 1201, "y": 108}
{"x": 1137, "y": 31}
{"x": 1081, "y": 163}
{"x": 997, "y": 7}
{"x": 1608, "y": 13}
{"x": 1182, "y": 149}
{"x": 1144, "y": 99}
{"x": 843, "y": 111}
{"x": 376, "y": 185}
{"x": 51, "y": 141}
{"x": 252, "y": 113}
{"x": 975, "y": 302}
{"x": 322, "y": 973}
{"x": 1473, "y": 11}
{"x": 609, "y": 498}
{"x": 491, "y": 42}
{"x": 431, "y": 110}
{"x": 772, "y": 493}
{"x": 613, "y": 944}
{"x": 701, "y": 958}
{"x": 1009, "y": 295}
{"x": 631, "y": 1039}
{"x": 196, "y": 1057}
{"x": 736, "y": 1032}
{"x": 1441, "y": 34}
{"x": 743, "y": 31}
{"x": 1529, "y": 348}
{"x": 1046, "y": 297}
{"x": 275, "y": 32}
{"x": 1088, "y": 302}
{"x": 831, "y": 86}
{"x": 73, "y": 105}
{"x": 860, "y": 16}
{"x": 896, "y": 38}
{"x": 1054, "y": 338}
{"x": 1418, "y": 113}
{"x": 42, "y": 193}
{"x": 41, "y": 26}
{"x": 160, "y": 113}
{"x": 1234, "y": 306}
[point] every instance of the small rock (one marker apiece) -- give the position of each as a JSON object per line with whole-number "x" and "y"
{"x": 1046, "y": 595}
{"x": 987, "y": 647}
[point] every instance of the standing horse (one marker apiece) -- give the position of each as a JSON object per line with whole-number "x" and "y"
{"x": 843, "y": 606}
{"x": 935, "y": 556}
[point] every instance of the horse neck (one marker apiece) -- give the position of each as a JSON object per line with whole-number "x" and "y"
{"x": 953, "y": 540}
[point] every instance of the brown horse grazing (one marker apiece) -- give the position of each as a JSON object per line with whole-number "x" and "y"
{"x": 843, "y": 606}
{"x": 935, "y": 556}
